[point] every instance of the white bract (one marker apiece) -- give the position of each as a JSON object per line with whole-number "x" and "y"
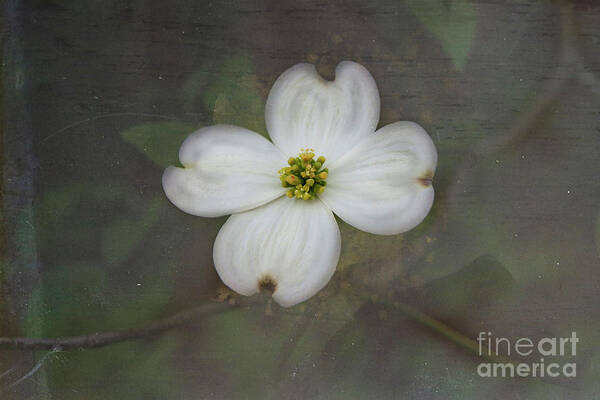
{"x": 282, "y": 234}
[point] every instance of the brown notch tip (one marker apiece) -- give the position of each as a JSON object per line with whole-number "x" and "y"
{"x": 267, "y": 283}
{"x": 426, "y": 178}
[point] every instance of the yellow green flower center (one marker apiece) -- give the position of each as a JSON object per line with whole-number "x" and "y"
{"x": 305, "y": 177}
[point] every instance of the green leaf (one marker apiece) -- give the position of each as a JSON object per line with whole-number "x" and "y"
{"x": 451, "y": 22}
{"x": 159, "y": 141}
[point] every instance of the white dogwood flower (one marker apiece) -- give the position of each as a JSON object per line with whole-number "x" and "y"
{"x": 325, "y": 157}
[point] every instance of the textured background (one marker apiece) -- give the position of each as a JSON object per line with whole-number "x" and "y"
{"x": 98, "y": 95}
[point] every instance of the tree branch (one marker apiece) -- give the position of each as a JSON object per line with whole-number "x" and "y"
{"x": 106, "y": 338}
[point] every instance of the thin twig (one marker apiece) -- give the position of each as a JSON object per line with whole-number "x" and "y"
{"x": 32, "y": 371}
{"x": 106, "y": 338}
{"x": 8, "y": 371}
{"x": 121, "y": 114}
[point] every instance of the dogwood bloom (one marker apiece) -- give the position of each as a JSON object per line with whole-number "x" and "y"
{"x": 325, "y": 157}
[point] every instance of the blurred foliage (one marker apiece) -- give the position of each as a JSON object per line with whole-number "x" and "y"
{"x": 451, "y": 22}
{"x": 135, "y": 370}
{"x": 232, "y": 93}
{"x": 478, "y": 284}
{"x": 132, "y": 215}
{"x": 114, "y": 254}
{"x": 71, "y": 300}
{"x": 159, "y": 141}
{"x": 80, "y": 290}
{"x": 124, "y": 235}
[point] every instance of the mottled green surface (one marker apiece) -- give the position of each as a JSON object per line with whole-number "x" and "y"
{"x": 97, "y": 97}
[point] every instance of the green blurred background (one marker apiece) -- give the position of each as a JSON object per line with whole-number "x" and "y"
{"x": 97, "y": 97}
